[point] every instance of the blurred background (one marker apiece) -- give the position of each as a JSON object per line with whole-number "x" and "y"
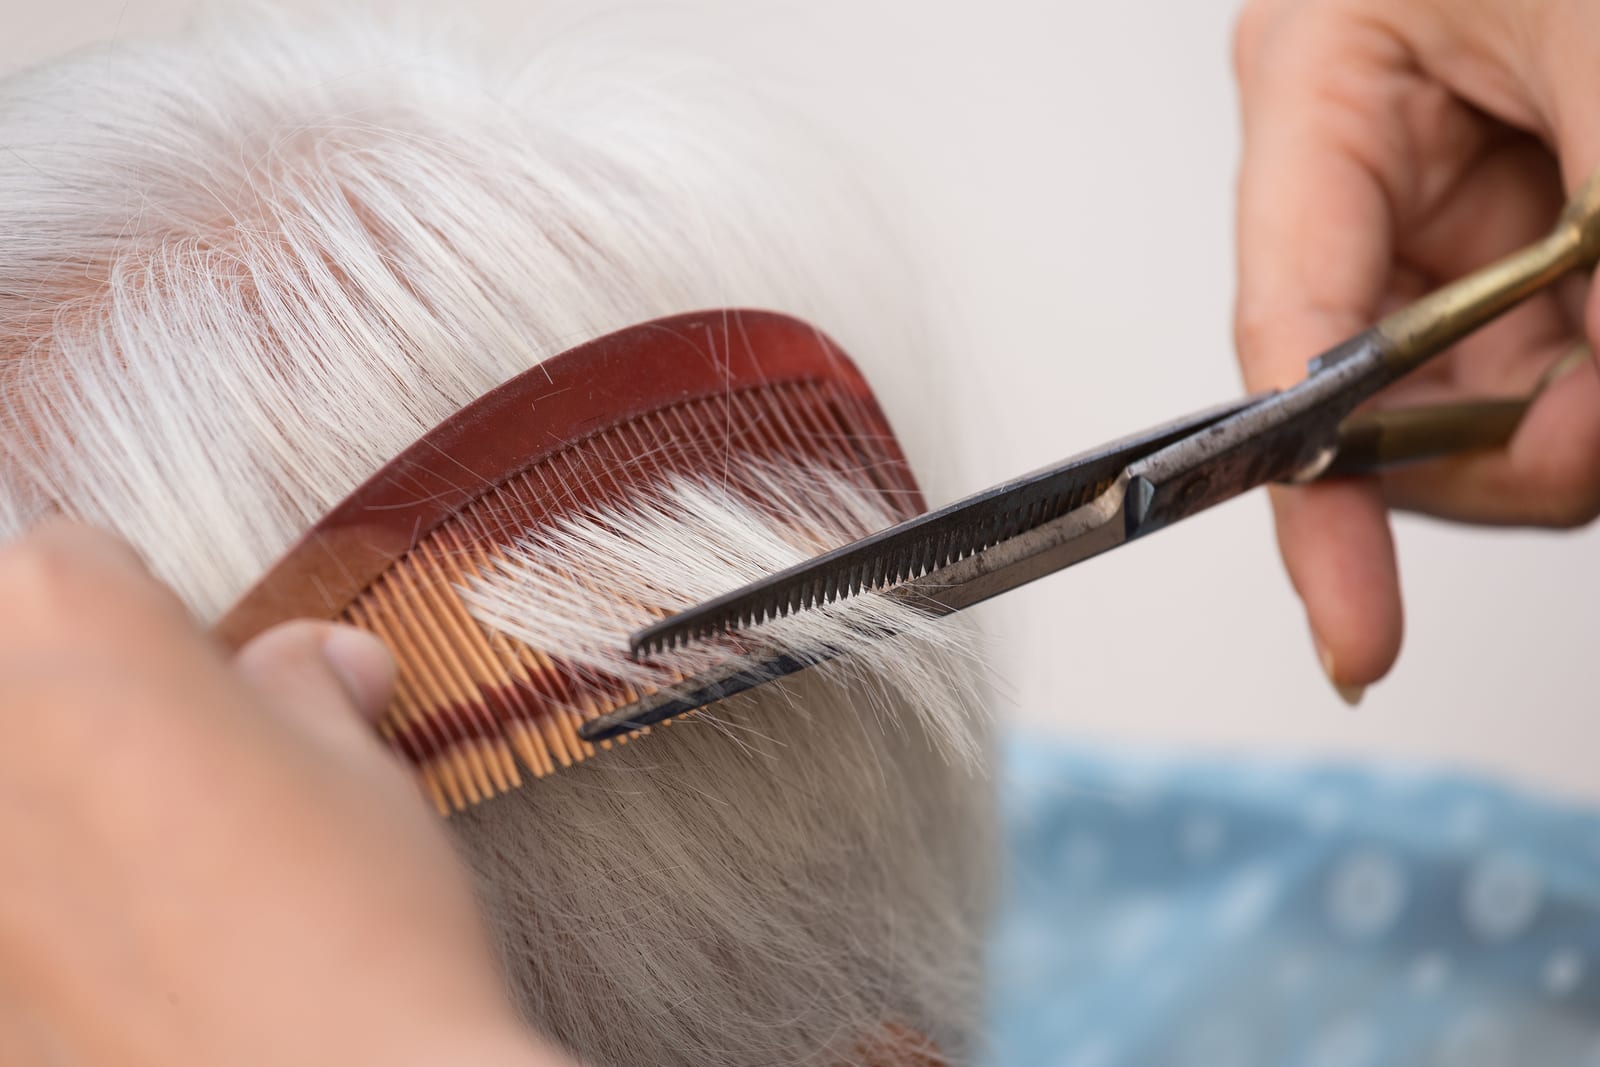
{"x": 1063, "y": 173}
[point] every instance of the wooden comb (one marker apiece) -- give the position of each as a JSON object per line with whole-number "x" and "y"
{"x": 581, "y": 431}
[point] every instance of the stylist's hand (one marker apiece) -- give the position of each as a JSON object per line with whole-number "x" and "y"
{"x": 1391, "y": 145}
{"x": 210, "y": 862}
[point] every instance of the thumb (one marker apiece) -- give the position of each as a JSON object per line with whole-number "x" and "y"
{"x": 1565, "y": 81}
{"x": 330, "y": 681}
{"x": 1315, "y": 248}
{"x": 1563, "y": 78}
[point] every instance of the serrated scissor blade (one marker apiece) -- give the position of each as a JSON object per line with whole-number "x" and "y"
{"x": 923, "y": 545}
{"x": 940, "y": 563}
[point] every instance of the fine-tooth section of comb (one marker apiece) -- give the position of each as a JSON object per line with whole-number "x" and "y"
{"x": 694, "y": 399}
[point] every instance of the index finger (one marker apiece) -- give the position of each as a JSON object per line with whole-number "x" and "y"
{"x": 1314, "y": 225}
{"x": 1315, "y": 245}
{"x": 68, "y": 583}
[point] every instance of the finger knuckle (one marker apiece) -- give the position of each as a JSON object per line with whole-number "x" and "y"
{"x": 1252, "y": 328}
{"x": 1253, "y": 27}
{"x": 52, "y": 582}
{"x": 1573, "y": 510}
{"x": 38, "y": 578}
{"x": 1567, "y": 498}
{"x": 1247, "y": 32}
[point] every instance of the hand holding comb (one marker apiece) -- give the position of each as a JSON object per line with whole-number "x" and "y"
{"x": 708, "y": 397}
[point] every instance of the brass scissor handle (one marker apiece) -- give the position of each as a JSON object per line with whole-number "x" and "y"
{"x": 1294, "y": 434}
{"x": 1374, "y": 440}
{"x": 1418, "y": 332}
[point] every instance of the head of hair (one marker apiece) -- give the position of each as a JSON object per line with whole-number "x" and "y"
{"x": 245, "y": 268}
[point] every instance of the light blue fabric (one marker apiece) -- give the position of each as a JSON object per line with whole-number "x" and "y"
{"x": 1163, "y": 913}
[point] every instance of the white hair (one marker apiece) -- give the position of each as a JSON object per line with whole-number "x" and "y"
{"x": 244, "y": 269}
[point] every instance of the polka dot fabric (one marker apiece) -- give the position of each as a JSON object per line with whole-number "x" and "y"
{"x": 1180, "y": 914}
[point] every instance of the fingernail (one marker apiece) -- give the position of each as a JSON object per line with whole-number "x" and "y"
{"x": 364, "y": 666}
{"x": 1577, "y": 357}
{"x": 1350, "y": 694}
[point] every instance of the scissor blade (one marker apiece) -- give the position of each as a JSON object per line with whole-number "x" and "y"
{"x": 957, "y": 555}
{"x": 1081, "y": 533}
{"x": 927, "y": 544}
{"x": 726, "y": 681}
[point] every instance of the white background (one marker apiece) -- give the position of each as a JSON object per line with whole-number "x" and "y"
{"x": 1067, "y": 172}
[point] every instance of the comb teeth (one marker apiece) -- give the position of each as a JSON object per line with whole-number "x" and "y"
{"x": 697, "y": 397}
{"x": 478, "y": 711}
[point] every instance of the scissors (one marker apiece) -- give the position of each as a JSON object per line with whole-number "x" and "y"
{"x": 1028, "y": 527}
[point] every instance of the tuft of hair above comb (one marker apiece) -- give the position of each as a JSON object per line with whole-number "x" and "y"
{"x": 548, "y": 483}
